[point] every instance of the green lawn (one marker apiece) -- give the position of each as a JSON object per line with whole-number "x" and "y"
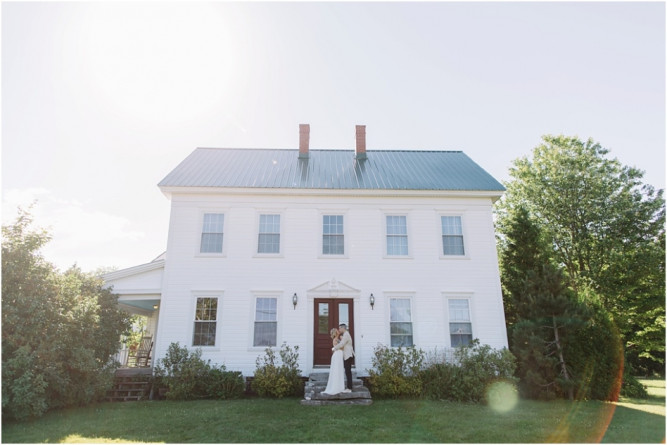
{"x": 260, "y": 421}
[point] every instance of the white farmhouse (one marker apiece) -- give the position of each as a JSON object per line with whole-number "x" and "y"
{"x": 279, "y": 246}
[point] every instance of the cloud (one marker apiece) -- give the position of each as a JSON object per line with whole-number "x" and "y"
{"x": 91, "y": 238}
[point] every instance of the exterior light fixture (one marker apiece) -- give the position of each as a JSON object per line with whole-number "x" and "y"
{"x": 372, "y": 301}
{"x": 295, "y": 299}
{"x": 155, "y": 306}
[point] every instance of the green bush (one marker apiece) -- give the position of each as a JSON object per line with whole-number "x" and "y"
{"x": 396, "y": 372}
{"x": 467, "y": 377}
{"x": 631, "y": 387}
{"x": 595, "y": 355}
{"x": 187, "y": 376}
{"x": 278, "y": 380}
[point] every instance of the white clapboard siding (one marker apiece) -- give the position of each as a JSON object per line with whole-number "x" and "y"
{"x": 239, "y": 274}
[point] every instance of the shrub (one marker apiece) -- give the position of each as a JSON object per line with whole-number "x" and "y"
{"x": 187, "y": 376}
{"x": 631, "y": 387}
{"x": 595, "y": 354}
{"x": 396, "y": 372}
{"x": 278, "y": 380}
{"x": 467, "y": 377}
{"x": 222, "y": 384}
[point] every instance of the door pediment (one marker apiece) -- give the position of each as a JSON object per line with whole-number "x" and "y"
{"x": 333, "y": 289}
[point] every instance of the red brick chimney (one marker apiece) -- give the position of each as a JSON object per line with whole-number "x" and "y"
{"x": 361, "y": 142}
{"x": 304, "y": 140}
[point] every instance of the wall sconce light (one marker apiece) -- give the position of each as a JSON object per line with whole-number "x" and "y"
{"x": 295, "y": 299}
{"x": 372, "y": 301}
{"x": 155, "y": 306}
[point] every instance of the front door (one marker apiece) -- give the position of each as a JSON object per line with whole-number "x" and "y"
{"x": 329, "y": 313}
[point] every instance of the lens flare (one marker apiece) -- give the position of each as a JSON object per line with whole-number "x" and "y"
{"x": 502, "y": 396}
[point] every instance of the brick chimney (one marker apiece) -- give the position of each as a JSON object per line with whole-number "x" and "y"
{"x": 361, "y": 142}
{"x": 304, "y": 140}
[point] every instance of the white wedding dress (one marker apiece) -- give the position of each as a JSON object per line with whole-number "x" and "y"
{"x": 336, "y": 383}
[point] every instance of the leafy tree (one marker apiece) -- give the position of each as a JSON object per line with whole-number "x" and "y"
{"x": 59, "y": 330}
{"x": 606, "y": 229}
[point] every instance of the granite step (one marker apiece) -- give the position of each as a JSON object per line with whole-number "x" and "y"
{"x": 316, "y": 384}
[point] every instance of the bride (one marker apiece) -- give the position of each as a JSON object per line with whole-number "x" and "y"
{"x": 336, "y": 383}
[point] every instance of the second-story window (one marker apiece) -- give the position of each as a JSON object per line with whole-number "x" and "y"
{"x": 269, "y": 234}
{"x": 212, "y": 232}
{"x": 452, "y": 236}
{"x": 397, "y": 235}
{"x": 333, "y": 241}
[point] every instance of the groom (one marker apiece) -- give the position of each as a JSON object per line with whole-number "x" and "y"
{"x": 348, "y": 354}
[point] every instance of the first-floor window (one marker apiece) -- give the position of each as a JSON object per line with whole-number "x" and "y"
{"x": 400, "y": 322}
{"x": 460, "y": 327}
{"x": 206, "y": 314}
{"x": 266, "y": 325}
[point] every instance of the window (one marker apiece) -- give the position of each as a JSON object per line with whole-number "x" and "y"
{"x": 400, "y": 322}
{"x": 206, "y": 314}
{"x": 452, "y": 236}
{"x": 211, "y": 233}
{"x": 397, "y": 235}
{"x": 333, "y": 241}
{"x": 265, "y": 322}
{"x": 460, "y": 327}
{"x": 269, "y": 234}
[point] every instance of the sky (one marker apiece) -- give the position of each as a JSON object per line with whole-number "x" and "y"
{"x": 100, "y": 100}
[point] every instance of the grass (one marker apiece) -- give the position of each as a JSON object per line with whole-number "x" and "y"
{"x": 391, "y": 421}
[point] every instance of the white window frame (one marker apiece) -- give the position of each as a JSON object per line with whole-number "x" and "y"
{"x": 225, "y": 230}
{"x": 255, "y": 321}
{"x": 280, "y": 300}
{"x": 206, "y": 294}
{"x": 258, "y": 218}
{"x": 334, "y": 212}
{"x": 408, "y": 235}
{"x": 389, "y": 296}
{"x": 463, "y": 295}
{"x": 466, "y": 239}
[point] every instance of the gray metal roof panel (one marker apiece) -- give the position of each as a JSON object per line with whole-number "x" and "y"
{"x": 330, "y": 169}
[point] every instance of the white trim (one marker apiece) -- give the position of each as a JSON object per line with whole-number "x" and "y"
{"x": 408, "y": 228}
{"x": 494, "y": 195}
{"x": 320, "y": 247}
{"x": 279, "y": 296}
{"x": 464, "y": 295}
{"x": 464, "y": 231}
{"x": 212, "y": 210}
{"x": 399, "y": 295}
{"x": 134, "y": 270}
{"x": 138, "y": 294}
{"x": 270, "y": 211}
{"x": 195, "y": 294}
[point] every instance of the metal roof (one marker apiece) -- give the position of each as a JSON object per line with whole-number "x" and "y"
{"x": 330, "y": 169}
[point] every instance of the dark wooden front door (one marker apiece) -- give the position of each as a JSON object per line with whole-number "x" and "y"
{"x": 329, "y": 313}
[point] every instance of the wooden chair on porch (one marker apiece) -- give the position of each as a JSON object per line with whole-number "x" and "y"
{"x": 143, "y": 353}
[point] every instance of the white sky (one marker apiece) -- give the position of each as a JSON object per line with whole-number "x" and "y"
{"x": 101, "y": 100}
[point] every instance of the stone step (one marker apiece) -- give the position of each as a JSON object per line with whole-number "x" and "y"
{"x": 323, "y": 383}
{"x": 314, "y": 396}
{"x": 336, "y": 402}
{"x": 357, "y": 393}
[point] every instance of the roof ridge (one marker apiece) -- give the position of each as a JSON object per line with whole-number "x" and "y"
{"x": 398, "y": 150}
